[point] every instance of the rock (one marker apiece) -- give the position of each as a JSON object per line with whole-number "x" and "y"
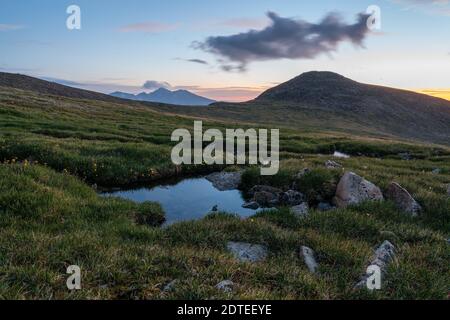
{"x": 251, "y": 205}
{"x": 170, "y": 286}
{"x": 436, "y": 171}
{"x": 325, "y": 206}
{"x": 261, "y": 188}
{"x": 308, "y": 257}
{"x": 338, "y": 154}
{"x": 353, "y": 189}
{"x": 382, "y": 257}
{"x": 302, "y": 172}
{"x": 225, "y": 286}
{"x": 300, "y": 210}
{"x": 224, "y": 181}
{"x": 266, "y": 199}
{"x": 330, "y": 164}
{"x": 291, "y": 198}
{"x": 405, "y": 155}
{"x": 215, "y": 208}
{"x": 247, "y": 252}
{"x": 402, "y": 199}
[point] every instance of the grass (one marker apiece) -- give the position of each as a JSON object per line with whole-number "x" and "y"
{"x": 52, "y": 151}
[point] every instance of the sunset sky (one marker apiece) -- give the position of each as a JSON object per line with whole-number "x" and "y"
{"x": 205, "y": 46}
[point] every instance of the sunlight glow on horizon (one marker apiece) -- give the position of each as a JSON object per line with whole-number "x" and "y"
{"x": 438, "y": 93}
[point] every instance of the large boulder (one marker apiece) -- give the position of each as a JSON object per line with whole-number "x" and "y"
{"x": 224, "y": 181}
{"x": 402, "y": 199}
{"x": 247, "y": 252}
{"x": 266, "y": 199}
{"x": 353, "y": 189}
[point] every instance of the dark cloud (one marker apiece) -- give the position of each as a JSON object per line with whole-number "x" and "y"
{"x": 153, "y": 85}
{"x": 200, "y": 61}
{"x": 285, "y": 38}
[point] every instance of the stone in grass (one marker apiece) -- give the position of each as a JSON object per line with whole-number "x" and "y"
{"x": 382, "y": 257}
{"x": 225, "y": 286}
{"x": 353, "y": 189}
{"x": 247, "y": 252}
{"x": 301, "y": 210}
{"x": 436, "y": 171}
{"x": 330, "y": 164}
{"x": 402, "y": 199}
{"x": 325, "y": 206}
{"x": 170, "y": 286}
{"x": 310, "y": 260}
{"x": 224, "y": 181}
{"x": 251, "y": 205}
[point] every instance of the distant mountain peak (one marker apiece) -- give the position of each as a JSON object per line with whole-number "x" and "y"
{"x": 163, "y": 95}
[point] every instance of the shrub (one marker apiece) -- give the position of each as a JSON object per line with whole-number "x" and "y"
{"x": 150, "y": 214}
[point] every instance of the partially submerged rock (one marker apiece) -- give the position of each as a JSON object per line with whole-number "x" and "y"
{"x": 224, "y": 181}
{"x": 301, "y": 210}
{"x": 353, "y": 189}
{"x": 265, "y": 196}
{"x": 225, "y": 286}
{"x": 251, "y": 205}
{"x": 402, "y": 199}
{"x": 310, "y": 260}
{"x": 247, "y": 252}
{"x": 330, "y": 164}
{"x": 382, "y": 257}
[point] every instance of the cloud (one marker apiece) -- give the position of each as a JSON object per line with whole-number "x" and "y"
{"x": 284, "y": 38}
{"x": 154, "y": 85}
{"x": 199, "y": 61}
{"x": 10, "y": 27}
{"x": 148, "y": 27}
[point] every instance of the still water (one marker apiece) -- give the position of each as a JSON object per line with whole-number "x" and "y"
{"x": 188, "y": 199}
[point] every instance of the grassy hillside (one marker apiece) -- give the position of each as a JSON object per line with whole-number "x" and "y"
{"x": 53, "y": 149}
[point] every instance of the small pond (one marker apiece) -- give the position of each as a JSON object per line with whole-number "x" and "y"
{"x": 188, "y": 199}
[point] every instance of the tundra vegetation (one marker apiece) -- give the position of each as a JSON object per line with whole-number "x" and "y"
{"x": 57, "y": 152}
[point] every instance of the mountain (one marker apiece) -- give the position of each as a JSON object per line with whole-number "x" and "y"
{"x": 393, "y": 111}
{"x": 23, "y": 82}
{"x": 178, "y": 97}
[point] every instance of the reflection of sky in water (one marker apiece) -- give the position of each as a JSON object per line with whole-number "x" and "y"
{"x": 189, "y": 199}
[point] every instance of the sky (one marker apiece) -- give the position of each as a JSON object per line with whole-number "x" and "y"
{"x": 208, "y": 47}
